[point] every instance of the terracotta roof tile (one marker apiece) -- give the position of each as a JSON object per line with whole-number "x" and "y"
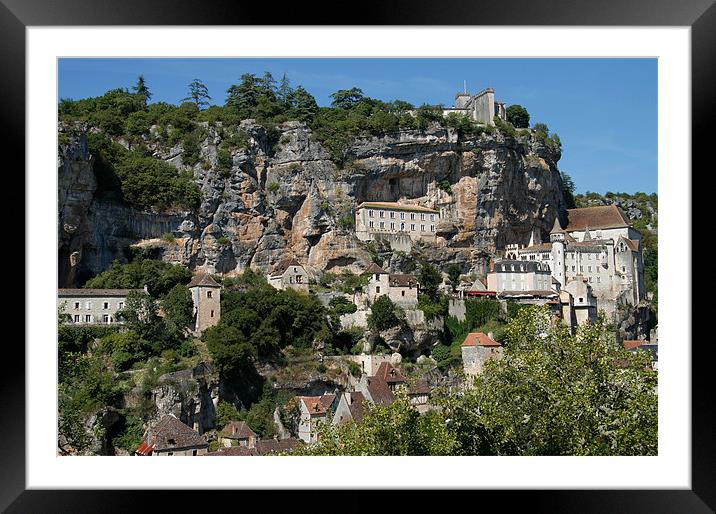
{"x": 633, "y": 343}
{"x": 389, "y": 373}
{"x": 402, "y": 280}
{"x": 420, "y": 387}
{"x": 169, "y": 433}
{"x": 262, "y": 448}
{"x": 284, "y": 265}
{"x": 357, "y": 407}
{"x": 237, "y": 430}
{"x": 313, "y": 404}
{"x": 479, "y": 339}
{"x": 605, "y": 216}
{"x": 202, "y": 279}
{"x": 379, "y": 391}
{"x": 374, "y": 268}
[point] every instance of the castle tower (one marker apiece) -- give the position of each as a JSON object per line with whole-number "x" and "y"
{"x": 557, "y": 236}
{"x": 557, "y": 232}
{"x": 206, "y": 295}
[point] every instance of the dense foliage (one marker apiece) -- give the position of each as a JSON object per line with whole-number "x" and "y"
{"x": 383, "y": 314}
{"x": 551, "y": 394}
{"x": 518, "y": 116}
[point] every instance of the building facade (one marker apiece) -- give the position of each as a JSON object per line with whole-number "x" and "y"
{"x": 476, "y": 350}
{"x": 516, "y": 275}
{"x": 93, "y": 306}
{"x": 170, "y": 437}
{"x": 289, "y": 274}
{"x": 398, "y": 223}
{"x": 481, "y": 107}
{"x": 314, "y": 411}
{"x": 206, "y": 295}
{"x": 402, "y": 289}
{"x": 598, "y": 245}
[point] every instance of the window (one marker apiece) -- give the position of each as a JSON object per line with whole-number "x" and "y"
{"x": 377, "y": 276}
{"x": 422, "y": 217}
{"x": 581, "y": 300}
{"x": 121, "y": 305}
{"x": 105, "y": 305}
{"x": 88, "y": 305}
{"x": 402, "y": 293}
{"x": 299, "y": 279}
{"x": 290, "y": 280}
{"x": 370, "y": 224}
{"x": 377, "y": 289}
{"x": 193, "y": 452}
{"x": 370, "y": 213}
{"x": 392, "y": 214}
{"x": 105, "y": 318}
{"x": 77, "y": 318}
{"x": 402, "y": 215}
{"x": 412, "y": 215}
{"x": 212, "y": 313}
{"x": 382, "y": 214}
{"x": 88, "y": 318}
{"x": 208, "y": 294}
{"x": 412, "y": 226}
{"x": 170, "y": 454}
{"x": 432, "y": 228}
{"x": 382, "y": 224}
{"x": 402, "y": 226}
{"x": 77, "y": 305}
{"x": 432, "y": 217}
{"x": 392, "y": 226}
{"x": 422, "y": 228}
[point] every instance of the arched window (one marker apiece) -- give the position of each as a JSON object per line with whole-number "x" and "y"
{"x": 377, "y": 289}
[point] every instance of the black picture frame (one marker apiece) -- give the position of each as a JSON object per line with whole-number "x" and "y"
{"x": 700, "y": 15}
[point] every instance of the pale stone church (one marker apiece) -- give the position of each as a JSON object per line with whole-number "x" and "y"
{"x": 597, "y": 246}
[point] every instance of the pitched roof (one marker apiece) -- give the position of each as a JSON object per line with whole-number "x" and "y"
{"x": 389, "y": 373}
{"x": 203, "y": 280}
{"x": 557, "y": 227}
{"x": 396, "y": 206}
{"x": 237, "y": 430}
{"x": 96, "y": 292}
{"x": 479, "y": 339}
{"x": 420, "y": 387}
{"x": 356, "y": 407}
{"x": 396, "y": 280}
{"x": 633, "y": 244}
{"x": 379, "y": 391}
{"x": 542, "y": 247}
{"x": 314, "y": 404}
{"x": 262, "y": 448}
{"x": 284, "y": 265}
{"x": 327, "y": 400}
{"x": 374, "y": 268}
{"x": 603, "y": 216}
{"x": 170, "y": 433}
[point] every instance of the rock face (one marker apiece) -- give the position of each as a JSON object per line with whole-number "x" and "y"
{"x": 291, "y": 199}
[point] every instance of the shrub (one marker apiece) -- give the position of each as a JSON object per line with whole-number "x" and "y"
{"x": 382, "y": 314}
{"x": 272, "y": 187}
{"x": 168, "y": 237}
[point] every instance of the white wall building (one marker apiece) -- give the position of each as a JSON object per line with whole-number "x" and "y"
{"x": 396, "y": 222}
{"x": 93, "y": 306}
{"x": 481, "y": 107}
{"x": 289, "y": 274}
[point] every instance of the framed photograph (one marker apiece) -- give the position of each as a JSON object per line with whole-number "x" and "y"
{"x": 317, "y": 155}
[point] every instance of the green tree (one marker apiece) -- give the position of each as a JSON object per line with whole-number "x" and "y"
{"x": 347, "y": 98}
{"x": 518, "y": 116}
{"x": 178, "y": 310}
{"x": 454, "y": 273}
{"x": 568, "y": 190}
{"x": 230, "y": 349}
{"x": 198, "y": 94}
{"x": 429, "y": 278}
{"x": 141, "y": 88}
{"x": 382, "y": 314}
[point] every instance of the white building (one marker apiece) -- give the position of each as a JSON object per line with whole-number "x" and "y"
{"x": 398, "y": 223}
{"x": 516, "y": 275}
{"x": 598, "y": 245}
{"x": 289, "y": 274}
{"x": 93, "y": 306}
{"x": 314, "y": 411}
{"x": 402, "y": 289}
{"x": 481, "y": 107}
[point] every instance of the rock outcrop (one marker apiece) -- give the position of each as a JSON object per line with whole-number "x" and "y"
{"x": 289, "y": 198}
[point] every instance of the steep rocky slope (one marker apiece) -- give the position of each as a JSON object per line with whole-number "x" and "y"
{"x": 289, "y": 198}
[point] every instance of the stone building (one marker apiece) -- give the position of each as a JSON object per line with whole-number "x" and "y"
{"x": 93, "y": 306}
{"x": 289, "y": 274}
{"x": 206, "y": 295}
{"x": 237, "y": 433}
{"x": 379, "y": 388}
{"x": 477, "y": 349}
{"x": 171, "y": 437}
{"x": 513, "y": 275}
{"x": 350, "y": 407}
{"x": 584, "y": 304}
{"x": 481, "y": 107}
{"x": 399, "y": 224}
{"x": 402, "y": 289}
{"x": 314, "y": 410}
{"x": 597, "y": 244}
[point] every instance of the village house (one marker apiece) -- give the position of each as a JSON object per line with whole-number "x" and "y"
{"x": 170, "y": 437}
{"x": 350, "y": 407}
{"x": 597, "y": 244}
{"x": 237, "y": 433}
{"x": 262, "y": 448}
{"x": 206, "y": 296}
{"x": 314, "y": 410}
{"x": 398, "y": 223}
{"x": 379, "y": 388}
{"x": 289, "y": 274}
{"x": 93, "y": 306}
{"x": 477, "y": 349}
{"x": 402, "y": 289}
{"x": 419, "y": 395}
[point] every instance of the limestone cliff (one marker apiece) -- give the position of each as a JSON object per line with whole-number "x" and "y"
{"x": 289, "y": 198}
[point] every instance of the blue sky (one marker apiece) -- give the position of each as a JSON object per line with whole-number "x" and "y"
{"x": 604, "y": 110}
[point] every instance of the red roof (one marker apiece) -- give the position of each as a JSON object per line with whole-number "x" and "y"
{"x": 317, "y": 404}
{"x": 389, "y": 373}
{"x": 144, "y": 449}
{"x": 603, "y": 216}
{"x": 379, "y": 391}
{"x": 375, "y": 269}
{"x": 632, "y": 343}
{"x": 479, "y": 339}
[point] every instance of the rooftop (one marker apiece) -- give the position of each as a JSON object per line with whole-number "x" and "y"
{"x": 203, "y": 280}
{"x": 396, "y": 280}
{"x": 479, "y": 339}
{"x": 396, "y": 206}
{"x": 281, "y": 268}
{"x": 95, "y": 292}
{"x": 605, "y": 216}
{"x": 169, "y": 433}
{"x": 375, "y": 269}
{"x": 237, "y": 430}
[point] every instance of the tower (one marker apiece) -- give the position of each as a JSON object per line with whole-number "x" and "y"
{"x": 556, "y": 236}
{"x": 206, "y": 295}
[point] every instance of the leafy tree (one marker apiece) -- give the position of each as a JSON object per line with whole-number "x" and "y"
{"x": 568, "y": 190}
{"x": 225, "y": 412}
{"x": 125, "y": 348}
{"x": 347, "y": 98}
{"x": 159, "y": 276}
{"x": 198, "y": 94}
{"x": 230, "y": 349}
{"x": 454, "y": 273}
{"x": 141, "y": 88}
{"x": 518, "y": 116}
{"x": 382, "y": 314}
{"x": 429, "y": 278}
{"x": 557, "y": 394}
{"x": 178, "y": 308}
